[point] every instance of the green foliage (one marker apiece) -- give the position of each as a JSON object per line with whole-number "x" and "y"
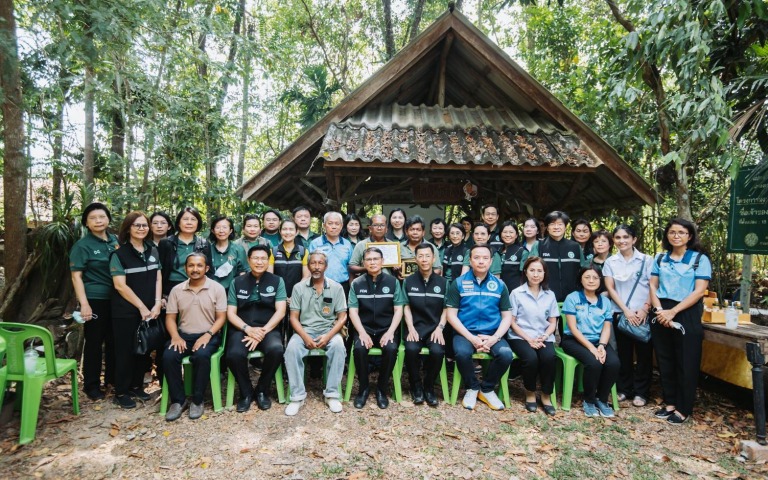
{"x": 317, "y": 101}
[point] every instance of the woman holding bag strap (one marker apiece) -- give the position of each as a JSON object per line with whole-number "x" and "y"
{"x": 622, "y": 272}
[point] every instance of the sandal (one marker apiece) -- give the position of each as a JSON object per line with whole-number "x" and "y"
{"x": 622, "y": 397}
{"x": 639, "y": 401}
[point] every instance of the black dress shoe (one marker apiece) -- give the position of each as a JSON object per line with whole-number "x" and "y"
{"x": 549, "y": 410}
{"x": 381, "y": 399}
{"x": 531, "y": 406}
{"x": 418, "y": 395}
{"x": 244, "y": 404}
{"x": 361, "y": 398}
{"x": 431, "y": 398}
{"x": 124, "y": 401}
{"x": 139, "y": 393}
{"x": 95, "y": 394}
{"x": 263, "y": 401}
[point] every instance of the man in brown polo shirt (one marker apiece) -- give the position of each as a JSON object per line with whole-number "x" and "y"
{"x": 202, "y": 305}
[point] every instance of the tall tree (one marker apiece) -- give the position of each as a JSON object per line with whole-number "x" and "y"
{"x": 15, "y": 163}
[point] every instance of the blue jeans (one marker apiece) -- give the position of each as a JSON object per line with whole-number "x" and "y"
{"x": 502, "y": 358}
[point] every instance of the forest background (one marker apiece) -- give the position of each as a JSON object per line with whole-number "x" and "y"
{"x": 157, "y": 104}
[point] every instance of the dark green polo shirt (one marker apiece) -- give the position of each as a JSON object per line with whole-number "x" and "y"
{"x": 179, "y": 273}
{"x": 90, "y": 255}
{"x": 233, "y": 256}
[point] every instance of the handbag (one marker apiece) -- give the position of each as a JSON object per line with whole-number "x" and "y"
{"x": 642, "y": 332}
{"x": 149, "y": 336}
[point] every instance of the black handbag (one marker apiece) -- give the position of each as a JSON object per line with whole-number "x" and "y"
{"x": 150, "y": 336}
{"x": 642, "y": 332}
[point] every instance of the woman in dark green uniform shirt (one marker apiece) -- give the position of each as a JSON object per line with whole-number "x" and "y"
{"x": 227, "y": 259}
{"x": 89, "y": 264}
{"x": 174, "y": 249}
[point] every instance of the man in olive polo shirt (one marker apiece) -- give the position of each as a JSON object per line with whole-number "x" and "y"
{"x": 414, "y": 234}
{"x": 318, "y": 312}
{"x": 377, "y": 233}
{"x": 200, "y": 306}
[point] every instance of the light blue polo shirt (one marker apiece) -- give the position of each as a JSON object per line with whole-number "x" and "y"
{"x": 590, "y": 317}
{"x": 677, "y": 280}
{"x": 532, "y": 313}
{"x": 338, "y": 253}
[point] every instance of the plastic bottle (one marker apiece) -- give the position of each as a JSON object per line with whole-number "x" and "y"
{"x": 731, "y": 317}
{"x": 30, "y": 360}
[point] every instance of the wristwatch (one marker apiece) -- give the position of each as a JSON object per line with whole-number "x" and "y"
{"x": 209, "y": 333}
{"x": 601, "y": 345}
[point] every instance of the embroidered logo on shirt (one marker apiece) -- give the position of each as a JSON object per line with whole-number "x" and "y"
{"x": 414, "y": 289}
{"x": 152, "y": 258}
{"x": 437, "y": 289}
{"x": 362, "y": 290}
{"x": 513, "y": 257}
{"x": 570, "y": 255}
{"x": 492, "y": 286}
{"x": 97, "y": 252}
{"x": 385, "y": 290}
{"x": 270, "y": 289}
{"x": 459, "y": 257}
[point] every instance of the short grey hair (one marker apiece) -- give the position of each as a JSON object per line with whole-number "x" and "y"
{"x": 320, "y": 254}
{"x": 330, "y": 214}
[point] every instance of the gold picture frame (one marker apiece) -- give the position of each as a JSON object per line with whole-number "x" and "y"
{"x": 409, "y": 267}
{"x": 391, "y": 252}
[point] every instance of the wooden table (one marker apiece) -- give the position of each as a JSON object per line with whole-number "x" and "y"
{"x": 754, "y": 339}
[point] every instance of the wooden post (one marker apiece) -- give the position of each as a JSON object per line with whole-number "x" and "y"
{"x": 746, "y": 283}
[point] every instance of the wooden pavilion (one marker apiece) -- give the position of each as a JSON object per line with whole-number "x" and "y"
{"x": 451, "y": 120}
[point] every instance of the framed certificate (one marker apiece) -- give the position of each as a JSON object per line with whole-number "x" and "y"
{"x": 409, "y": 267}
{"x": 391, "y": 251}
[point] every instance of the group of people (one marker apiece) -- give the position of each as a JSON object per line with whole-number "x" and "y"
{"x": 486, "y": 288}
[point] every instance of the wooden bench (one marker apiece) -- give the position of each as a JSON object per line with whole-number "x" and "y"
{"x": 754, "y": 340}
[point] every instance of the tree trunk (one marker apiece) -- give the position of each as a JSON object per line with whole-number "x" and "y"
{"x": 117, "y": 149}
{"x": 389, "y": 36}
{"x": 88, "y": 163}
{"x": 683, "y": 194}
{"x": 15, "y": 162}
{"x": 58, "y": 149}
{"x": 246, "y": 105}
{"x": 418, "y": 12}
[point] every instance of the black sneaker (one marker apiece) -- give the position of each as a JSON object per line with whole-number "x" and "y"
{"x": 676, "y": 419}
{"x": 124, "y": 401}
{"x": 139, "y": 393}
{"x": 663, "y": 412}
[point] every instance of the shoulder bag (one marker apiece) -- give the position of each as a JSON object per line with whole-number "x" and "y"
{"x": 642, "y": 332}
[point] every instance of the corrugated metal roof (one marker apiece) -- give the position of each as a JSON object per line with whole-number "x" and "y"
{"x": 407, "y": 133}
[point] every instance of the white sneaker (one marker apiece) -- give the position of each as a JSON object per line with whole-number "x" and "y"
{"x": 333, "y": 404}
{"x": 293, "y": 408}
{"x": 491, "y": 399}
{"x": 470, "y": 399}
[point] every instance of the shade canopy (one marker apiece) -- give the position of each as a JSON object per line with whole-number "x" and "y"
{"x": 451, "y": 120}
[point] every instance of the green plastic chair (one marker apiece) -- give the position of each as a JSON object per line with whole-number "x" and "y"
{"x": 279, "y": 383}
{"x": 396, "y": 371}
{"x": 188, "y": 377}
{"x": 570, "y": 370}
{"x": 443, "y": 374}
{"x": 29, "y": 387}
{"x": 486, "y": 357}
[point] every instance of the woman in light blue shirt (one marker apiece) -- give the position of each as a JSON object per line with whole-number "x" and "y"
{"x": 534, "y": 320}
{"x": 585, "y": 337}
{"x": 679, "y": 278}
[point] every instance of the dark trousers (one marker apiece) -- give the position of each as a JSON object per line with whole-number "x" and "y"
{"x": 432, "y": 364}
{"x": 679, "y": 356}
{"x": 201, "y": 367}
{"x": 536, "y": 363}
{"x": 502, "y": 358}
{"x": 237, "y": 360}
{"x": 634, "y": 378}
{"x": 598, "y": 377}
{"x": 388, "y": 358}
{"x": 129, "y": 367}
{"x": 99, "y": 345}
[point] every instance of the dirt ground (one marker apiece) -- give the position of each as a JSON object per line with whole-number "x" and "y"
{"x": 404, "y": 441}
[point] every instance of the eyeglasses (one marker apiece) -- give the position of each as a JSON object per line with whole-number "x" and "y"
{"x": 372, "y": 260}
{"x": 677, "y": 234}
{"x": 378, "y": 225}
{"x": 140, "y": 226}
